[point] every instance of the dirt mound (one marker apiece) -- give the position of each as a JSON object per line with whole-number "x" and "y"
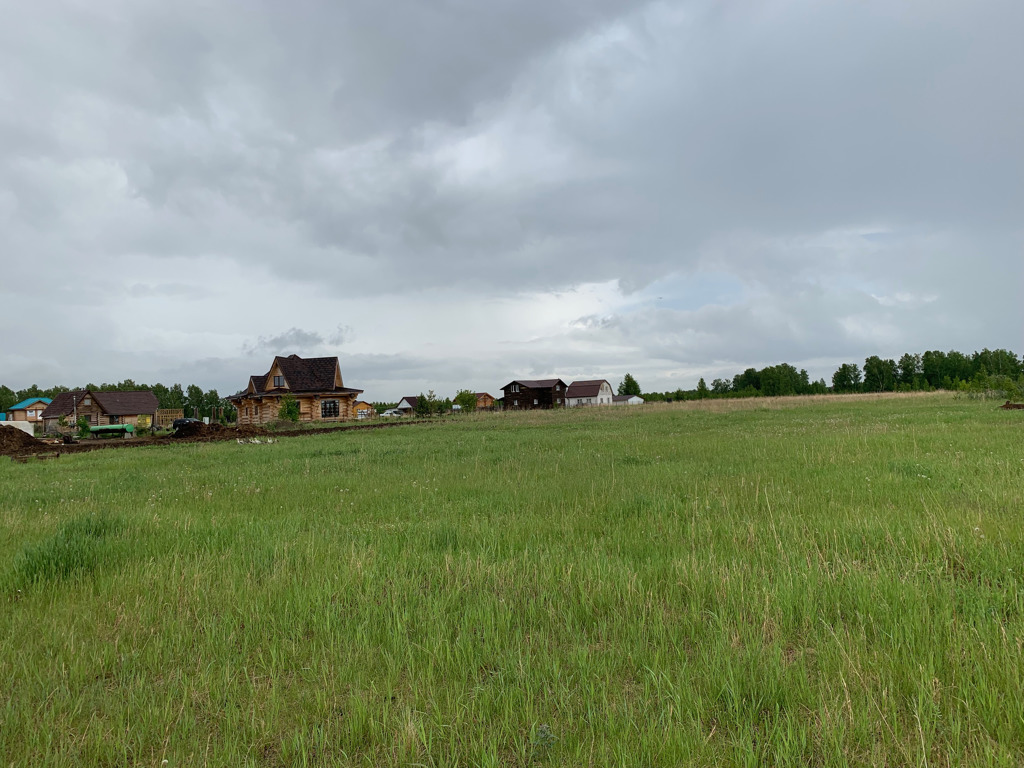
{"x": 191, "y": 429}
{"x": 13, "y": 440}
{"x": 1008, "y": 406}
{"x": 202, "y": 433}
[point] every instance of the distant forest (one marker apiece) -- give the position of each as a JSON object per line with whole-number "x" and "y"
{"x": 998, "y": 373}
{"x": 192, "y": 399}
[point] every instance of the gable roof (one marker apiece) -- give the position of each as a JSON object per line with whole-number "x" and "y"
{"x": 586, "y": 388}
{"x": 28, "y": 402}
{"x": 308, "y": 374}
{"x": 111, "y": 403}
{"x": 625, "y": 398}
{"x": 481, "y": 395}
{"x": 535, "y": 383}
{"x": 302, "y": 375}
{"x": 411, "y": 400}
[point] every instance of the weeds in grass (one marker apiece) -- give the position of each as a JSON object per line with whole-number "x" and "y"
{"x": 79, "y": 546}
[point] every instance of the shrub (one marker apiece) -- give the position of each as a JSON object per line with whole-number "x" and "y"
{"x": 289, "y": 410}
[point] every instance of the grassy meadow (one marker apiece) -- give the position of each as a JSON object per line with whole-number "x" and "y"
{"x": 818, "y": 581}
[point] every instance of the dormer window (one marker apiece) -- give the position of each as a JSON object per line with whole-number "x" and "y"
{"x": 279, "y": 381}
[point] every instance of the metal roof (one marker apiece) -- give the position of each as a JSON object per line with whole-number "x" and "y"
{"x": 29, "y": 401}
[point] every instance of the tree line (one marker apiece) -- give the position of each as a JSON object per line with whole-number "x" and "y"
{"x": 998, "y": 372}
{"x": 191, "y": 399}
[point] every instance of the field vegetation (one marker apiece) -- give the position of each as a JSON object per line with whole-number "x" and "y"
{"x": 812, "y": 581}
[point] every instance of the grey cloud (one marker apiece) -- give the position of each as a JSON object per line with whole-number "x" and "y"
{"x": 827, "y": 157}
{"x": 292, "y": 341}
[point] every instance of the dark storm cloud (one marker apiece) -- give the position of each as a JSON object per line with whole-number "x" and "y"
{"x": 855, "y": 167}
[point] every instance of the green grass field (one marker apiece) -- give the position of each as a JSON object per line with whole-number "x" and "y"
{"x": 806, "y": 582}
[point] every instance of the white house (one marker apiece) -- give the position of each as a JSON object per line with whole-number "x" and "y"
{"x": 628, "y": 400}
{"x": 597, "y": 392}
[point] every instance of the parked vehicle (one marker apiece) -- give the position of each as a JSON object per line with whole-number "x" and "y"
{"x": 179, "y": 423}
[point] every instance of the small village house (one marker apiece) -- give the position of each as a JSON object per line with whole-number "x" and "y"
{"x": 534, "y": 393}
{"x": 484, "y": 401}
{"x": 30, "y": 409}
{"x": 314, "y": 382}
{"x": 596, "y": 392}
{"x": 364, "y": 410}
{"x": 137, "y": 408}
{"x": 407, "y": 405}
{"x": 628, "y": 400}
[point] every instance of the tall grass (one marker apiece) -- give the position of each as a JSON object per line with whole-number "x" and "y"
{"x": 825, "y": 583}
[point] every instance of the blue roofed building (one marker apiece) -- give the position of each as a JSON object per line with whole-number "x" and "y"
{"x": 31, "y": 409}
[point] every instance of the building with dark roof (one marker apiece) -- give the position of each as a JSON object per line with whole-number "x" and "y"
{"x": 534, "y": 393}
{"x": 407, "y": 405}
{"x": 137, "y": 408}
{"x": 314, "y": 382}
{"x": 595, "y": 392}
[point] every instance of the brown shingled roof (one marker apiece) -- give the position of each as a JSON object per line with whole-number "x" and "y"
{"x": 112, "y": 403}
{"x": 585, "y": 388}
{"x": 308, "y": 374}
{"x": 313, "y": 374}
{"x": 535, "y": 383}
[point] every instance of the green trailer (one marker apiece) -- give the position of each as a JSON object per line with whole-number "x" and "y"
{"x": 113, "y": 430}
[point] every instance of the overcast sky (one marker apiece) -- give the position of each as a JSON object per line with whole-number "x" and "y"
{"x": 452, "y": 193}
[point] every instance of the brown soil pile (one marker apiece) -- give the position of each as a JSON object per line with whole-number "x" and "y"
{"x": 192, "y": 429}
{"x": 13, "y": 441}
{"x": 201, "y": 433}
{"x": 1008, "y": 406}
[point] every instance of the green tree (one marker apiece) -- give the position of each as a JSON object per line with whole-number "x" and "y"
{"x": 720, "y": 386}
{"x": 8, "y": 397}
{"x": 194, "y": 401}
{"x": 175, "y": 397}
{"x": 933, "y": 367}
{"x": 908, "y": 369}
{"x": 424, "y": 405}
{"x": 466, "y": 400}
{"x": 702, "y": 390}
{"x": 879, "y": 375}
{"x": 750, "y": 379}
{"x": 847, "y": 378}
{"x": 629, "y": 386}
{"x": 289, "y": 410}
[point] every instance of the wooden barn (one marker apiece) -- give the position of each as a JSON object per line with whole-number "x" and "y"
{"x": 137, "y": 408}
{"x": 484, "y": 401}
{"x": 314, "y": 382}
{"x": 529, "y": 393}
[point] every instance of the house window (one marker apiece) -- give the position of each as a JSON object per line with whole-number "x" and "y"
{"x": 329, "y": 409}
{"x": 115, "y": 419}
{"x": 534, "y": 401}
{"x": 87, "y": 401}
{"x": 558, "y": 387}
{"x": 515, "y": 387}
{"x": 515, "y": 403}
{"x": 279, "y": 381}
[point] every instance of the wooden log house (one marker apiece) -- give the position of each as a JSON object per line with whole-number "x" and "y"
{"x": 314, "y": 382}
